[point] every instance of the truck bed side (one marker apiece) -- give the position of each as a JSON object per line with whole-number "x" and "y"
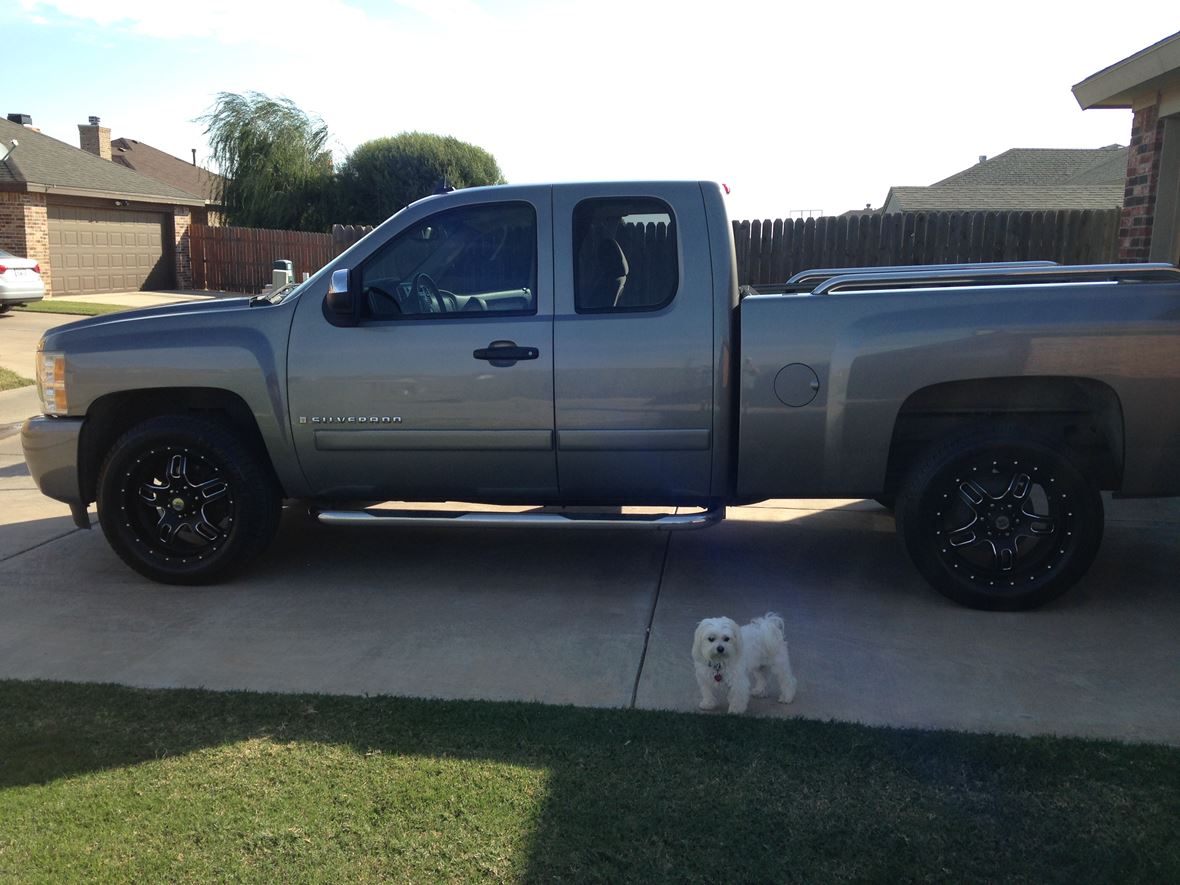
{"x": 965, "y": 354}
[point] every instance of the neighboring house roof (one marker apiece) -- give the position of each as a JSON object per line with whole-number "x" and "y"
{"x": 1043, "y": 166}
{"x": 1112, "y": 170}
{"x": 155, "y": 163}
{"x": 1025, "y": 179}
{"x": 977, "y": 198}
{"x": 45, "y": 164}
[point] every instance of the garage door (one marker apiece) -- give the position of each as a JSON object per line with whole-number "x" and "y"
{"x": 107, "y": 250}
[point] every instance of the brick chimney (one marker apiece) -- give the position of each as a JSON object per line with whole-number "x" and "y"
{"x": 95, "y": 139}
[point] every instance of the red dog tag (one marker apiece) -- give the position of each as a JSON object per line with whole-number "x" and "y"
{"x": 716, "y": 677}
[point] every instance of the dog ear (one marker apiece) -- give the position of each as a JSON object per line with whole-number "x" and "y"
{"x": 698, "y": 638}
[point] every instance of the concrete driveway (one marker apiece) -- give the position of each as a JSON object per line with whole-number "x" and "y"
{"x": 606, "y": 618}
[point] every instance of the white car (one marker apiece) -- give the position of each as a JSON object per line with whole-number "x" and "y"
{"x": 20, "y": 281}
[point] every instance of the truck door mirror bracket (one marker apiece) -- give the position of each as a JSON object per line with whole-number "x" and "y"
{"x": 340, "y": 303}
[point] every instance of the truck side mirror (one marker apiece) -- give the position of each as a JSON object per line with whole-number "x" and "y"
{"x": 340, "y": 303}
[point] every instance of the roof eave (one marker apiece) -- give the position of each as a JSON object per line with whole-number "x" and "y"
{"x": 1148, "y": 70}
{"x": 50, "y": 189}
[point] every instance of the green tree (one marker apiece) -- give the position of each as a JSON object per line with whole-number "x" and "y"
{"x": 383, "y": 175}
{"x": 273, "y": 156}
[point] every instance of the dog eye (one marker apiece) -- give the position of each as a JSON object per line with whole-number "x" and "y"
{"x": 725, "y": 639}
{"x": 712, "y": 638}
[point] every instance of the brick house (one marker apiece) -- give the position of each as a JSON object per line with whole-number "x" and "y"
{"x": 1148, "y": 83}
{"x": 93, "y": 225}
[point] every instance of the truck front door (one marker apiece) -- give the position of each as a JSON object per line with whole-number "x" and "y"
{"x": 444, "y": 389}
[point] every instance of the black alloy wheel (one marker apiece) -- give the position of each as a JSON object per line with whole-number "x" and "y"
{"x": 183, "y": 501}
{"x": 999, "y": 520}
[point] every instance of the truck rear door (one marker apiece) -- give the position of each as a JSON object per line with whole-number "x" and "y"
{"x": 633, "y": 343}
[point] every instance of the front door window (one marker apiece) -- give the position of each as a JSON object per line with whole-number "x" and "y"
{"x": 465, "y": 262}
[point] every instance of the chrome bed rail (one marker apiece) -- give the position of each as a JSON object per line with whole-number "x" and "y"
{"x": 984, "y": 275}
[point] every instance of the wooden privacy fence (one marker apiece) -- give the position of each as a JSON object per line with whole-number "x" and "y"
{"x": 344, "y": 235}
{"x": 771, "y": 251}
{"x": 240, "y": 259}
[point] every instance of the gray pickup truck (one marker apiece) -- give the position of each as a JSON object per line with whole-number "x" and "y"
{"x": 588, "y": 344}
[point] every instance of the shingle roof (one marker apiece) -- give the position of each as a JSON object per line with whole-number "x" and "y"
{"x": 45, "y": 162}
{"x": 154, "y": 163}
{"x": 1043, "y": 166}
{"x": 1112, "y": 170}
{"x": 972, "y": 198}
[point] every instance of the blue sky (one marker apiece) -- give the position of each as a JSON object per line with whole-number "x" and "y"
{"x": 795, "y": 106}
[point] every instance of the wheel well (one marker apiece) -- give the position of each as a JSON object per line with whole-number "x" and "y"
{"x": 109, "y": 417}
{"x": 1079, "y": 416}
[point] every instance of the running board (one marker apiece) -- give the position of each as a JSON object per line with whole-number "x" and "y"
{"x": 668, "y": 522}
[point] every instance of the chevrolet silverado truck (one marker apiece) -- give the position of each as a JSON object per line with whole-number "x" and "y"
{"x": 579, "y": 346}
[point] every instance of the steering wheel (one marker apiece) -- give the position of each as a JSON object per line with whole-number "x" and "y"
{"x": 422, "y": 283}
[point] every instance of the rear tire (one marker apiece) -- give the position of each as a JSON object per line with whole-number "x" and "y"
{"x": 999, "y": 520}
{"x": 183, "y": 500}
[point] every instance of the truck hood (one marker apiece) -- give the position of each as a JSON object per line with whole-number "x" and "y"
{"x": 161, "y": 318}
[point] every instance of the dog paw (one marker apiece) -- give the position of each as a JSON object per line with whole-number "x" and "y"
{"x": 707, "y": 705}
{"x": 737, "y": 708}
{"x": 788, "y": 692}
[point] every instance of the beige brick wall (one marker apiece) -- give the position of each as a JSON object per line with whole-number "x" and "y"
{"x": 181, "y": 221}
{"x": 24, "y": 230}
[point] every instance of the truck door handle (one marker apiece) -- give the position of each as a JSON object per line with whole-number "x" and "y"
{"x": 505, "y": 352}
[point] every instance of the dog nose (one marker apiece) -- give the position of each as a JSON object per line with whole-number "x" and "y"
{"x": 721, "y": 649}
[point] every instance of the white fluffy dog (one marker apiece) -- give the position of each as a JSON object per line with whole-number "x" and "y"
{"x": 738, "y": 657}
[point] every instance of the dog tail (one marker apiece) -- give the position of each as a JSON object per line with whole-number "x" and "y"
{"x": 773, "y": 621}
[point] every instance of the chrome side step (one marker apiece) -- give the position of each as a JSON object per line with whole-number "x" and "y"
{"x": 669, "y": 522}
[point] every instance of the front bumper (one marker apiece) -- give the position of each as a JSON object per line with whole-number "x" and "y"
{"x": 51, "y": 453}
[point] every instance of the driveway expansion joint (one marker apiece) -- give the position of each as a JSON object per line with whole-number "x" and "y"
{"x": 651, "y": 615}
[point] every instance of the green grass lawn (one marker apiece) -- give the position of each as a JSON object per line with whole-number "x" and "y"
{"x": 10, "y": 380}
{"x": 116, "y": 784}
{"x": 78, "y": 308}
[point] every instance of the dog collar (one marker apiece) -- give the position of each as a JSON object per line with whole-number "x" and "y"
{"x": 716, "y": 667}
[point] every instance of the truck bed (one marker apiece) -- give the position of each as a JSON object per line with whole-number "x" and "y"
{"x": 879, "y": 345}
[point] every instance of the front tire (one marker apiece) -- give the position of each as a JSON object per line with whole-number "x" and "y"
{"x": 183, "y": 500}
{"x": 999, "y": 520}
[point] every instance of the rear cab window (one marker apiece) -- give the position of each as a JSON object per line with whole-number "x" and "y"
{"x": 625, "y": 254}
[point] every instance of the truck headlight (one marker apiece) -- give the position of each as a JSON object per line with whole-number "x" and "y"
{"x": 51, "y": 383}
